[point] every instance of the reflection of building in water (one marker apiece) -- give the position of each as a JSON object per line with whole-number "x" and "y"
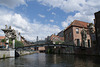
{"x": 83, "y": 62}
{"x": 55, "y": 59}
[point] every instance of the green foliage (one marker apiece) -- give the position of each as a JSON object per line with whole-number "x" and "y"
{"x": 3, "y": 40}
{"x": 91, "y": 23}
{"x": 4, "y": 56}
{"x": 10, "y": 41}
{"x": 50, "y": 51}
{"x": 57, "y": 42}
{"x": 18, "y": 44}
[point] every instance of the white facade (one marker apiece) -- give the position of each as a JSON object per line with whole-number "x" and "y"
{"x": 18, "y": 36}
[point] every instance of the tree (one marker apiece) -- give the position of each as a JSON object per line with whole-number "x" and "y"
{"x": 18, "y": 44}
{"x": 3, "y": 40}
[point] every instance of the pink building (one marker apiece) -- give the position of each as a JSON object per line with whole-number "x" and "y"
{"x": 72, "y": 34}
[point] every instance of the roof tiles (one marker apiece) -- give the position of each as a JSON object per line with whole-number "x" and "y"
{"x": 78, "y": 23}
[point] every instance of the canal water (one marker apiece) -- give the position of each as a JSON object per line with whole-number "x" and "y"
{"x": 51, "y": 60}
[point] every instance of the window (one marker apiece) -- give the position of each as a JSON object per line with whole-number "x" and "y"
{"x": 77, "y": 30}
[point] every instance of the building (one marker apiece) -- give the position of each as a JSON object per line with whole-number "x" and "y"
{"x": 18, "y": 36}
{"x": 48, "y": 40}
{"x": 2, "y": 43}
{"x": 56, "y": 39}
{"x": 24, "y": 41}
{"x": 72, "y": 34}
{"x": 97, "y": 29}
{"x": 2, "y": 37}
{"x": 61, "y": 34}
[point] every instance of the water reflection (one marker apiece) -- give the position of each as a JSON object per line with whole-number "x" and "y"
{"x": 51, "y": 60}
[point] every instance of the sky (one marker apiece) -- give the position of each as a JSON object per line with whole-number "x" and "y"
{"x": 43, "y": 18}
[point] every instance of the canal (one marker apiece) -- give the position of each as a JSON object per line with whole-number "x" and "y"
{"x": 51, "y": 60}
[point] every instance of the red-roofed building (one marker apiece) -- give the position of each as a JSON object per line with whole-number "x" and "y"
{"x": 2, "y": 37}
{"x": 2, "y": 43}
{"x": 72, "y": 34}
{"x": 54, "y": 38}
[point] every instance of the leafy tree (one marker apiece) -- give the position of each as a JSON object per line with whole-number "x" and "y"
{"x": 18, "y": 44}
{"x": 10, "y": 42}
{"x": 3, "y": 40}
{"x": 57, "y": 42}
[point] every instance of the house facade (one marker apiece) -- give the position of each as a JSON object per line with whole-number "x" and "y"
{"x": 56, "y": 39}
{"x": 18, "y": 36}
{"x": 61, "y": 34}
{"x": 72, "y": 34}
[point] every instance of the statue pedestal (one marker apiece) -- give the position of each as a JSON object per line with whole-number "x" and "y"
{"x": 12, "y": 52}
{"x": 13, "y": 43}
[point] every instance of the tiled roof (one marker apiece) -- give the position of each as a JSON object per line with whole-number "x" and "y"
{"x": 78, "y": 23}
{"x": 2, "y": 37}
{"x": 53, "y": 36}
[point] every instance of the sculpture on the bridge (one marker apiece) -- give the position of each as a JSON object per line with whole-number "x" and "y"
{"x": 9, "y": 27}
{"x": 9, "y": 34}
{"x": 6, "y": 27}
{"x": 84, "y": 37}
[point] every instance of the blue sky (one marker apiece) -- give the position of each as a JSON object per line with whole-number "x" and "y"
{"x": 44, "y": 17}
{"x": 35, "y": 9}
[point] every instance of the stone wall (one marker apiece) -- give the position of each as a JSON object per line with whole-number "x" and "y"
{"x": 7, "y": 53}
{"x": 25, "y": 52}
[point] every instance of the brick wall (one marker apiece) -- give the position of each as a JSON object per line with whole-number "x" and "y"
{"x": 78, "y": 36}
{"x": 72, "y": 40}
{"x": 68, "y": 36}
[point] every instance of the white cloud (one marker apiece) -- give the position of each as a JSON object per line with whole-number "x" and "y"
{"x": 53, "y": 13}
{"x": 85, "y": 9}
{"x": 29, "y": 30}
{"x": 78, "y": 16}
{"x": 51, "y": 20}
{"x": 64, "y": 24}
{"x": 65, "y": 5}
{"x": 12, "y": 3}
{"x": 40, "y": 15}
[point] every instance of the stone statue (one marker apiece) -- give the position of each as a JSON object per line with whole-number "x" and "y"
{"x": 84, "y": 37}
{"x": 6, "y": 27}
{"x": 9, "y": 27}
{"x": 9, "y": 34}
